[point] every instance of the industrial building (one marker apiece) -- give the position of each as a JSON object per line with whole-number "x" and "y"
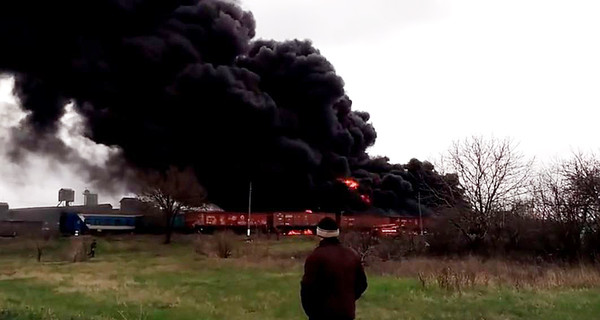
{"x": 64, "y": 217}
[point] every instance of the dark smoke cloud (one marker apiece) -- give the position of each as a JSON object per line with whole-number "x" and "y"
{"x": 182, "y": 83}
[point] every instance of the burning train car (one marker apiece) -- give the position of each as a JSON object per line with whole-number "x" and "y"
{"x": 211, "y": 221}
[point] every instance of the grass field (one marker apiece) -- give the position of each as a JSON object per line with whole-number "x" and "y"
{"x": 139, "y": 278}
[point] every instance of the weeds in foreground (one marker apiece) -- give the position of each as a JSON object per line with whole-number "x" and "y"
{"x": 224, "y": 244}
{"x": 457, "y": 275}
{"x": 221, "y": 245}
{"x": 78, "y": 249}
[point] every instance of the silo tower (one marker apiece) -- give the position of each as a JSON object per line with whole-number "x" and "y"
{"x": 90, "y": 199}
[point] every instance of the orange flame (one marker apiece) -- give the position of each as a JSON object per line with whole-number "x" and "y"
{"x": 306, "y": 232}
{"x": 353, "y": 185}
{"x": 350, "y": 183}
{"x": 365, "y": 198}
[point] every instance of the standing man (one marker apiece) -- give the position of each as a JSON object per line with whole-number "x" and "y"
{"x": 92, "y": 249}
{"x": 333, "y": 277}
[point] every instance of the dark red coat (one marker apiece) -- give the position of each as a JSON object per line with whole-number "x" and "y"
{"x": 333, "y": 280}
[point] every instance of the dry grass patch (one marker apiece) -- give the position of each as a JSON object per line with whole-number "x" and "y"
{"x": 271, "y": 264}
{"x": 151, "y": 295}
{"x": 459, "y": 274}
{"x": 92, "y": 284}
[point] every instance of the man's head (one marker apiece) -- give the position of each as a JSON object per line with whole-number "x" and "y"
{"x": 327, "y": 228}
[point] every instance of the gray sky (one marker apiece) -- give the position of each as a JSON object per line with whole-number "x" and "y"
{"x": 433, "y": 71}
{"x": 429, "y": 72}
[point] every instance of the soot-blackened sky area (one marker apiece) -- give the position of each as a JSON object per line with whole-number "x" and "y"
{"x": 181, "y": 83}
{"x": 188, "y": 85}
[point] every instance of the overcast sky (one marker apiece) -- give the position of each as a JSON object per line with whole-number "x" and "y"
{"x": 428, "y": 72}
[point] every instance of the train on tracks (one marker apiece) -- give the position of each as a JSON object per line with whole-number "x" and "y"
{"x": 298, "y": 223}
{"x": 134, "y": 216}
{"x": 72, "y": 221}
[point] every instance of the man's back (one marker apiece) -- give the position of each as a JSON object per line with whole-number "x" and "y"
{"x": 333, "y": 280}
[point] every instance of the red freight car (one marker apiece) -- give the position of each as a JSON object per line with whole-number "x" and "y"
{"x": 363, "y": 222}
{"x": 286, "y": 221}
{"x": 387, "y": 230}
{"x": 219, "y": 220}
{"x": 408, "y": 224}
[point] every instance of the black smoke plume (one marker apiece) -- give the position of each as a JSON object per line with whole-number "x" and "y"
{"x": 181, "y": 83}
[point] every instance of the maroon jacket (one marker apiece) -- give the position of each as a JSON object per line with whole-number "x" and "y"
{"x": 333, "y": 280}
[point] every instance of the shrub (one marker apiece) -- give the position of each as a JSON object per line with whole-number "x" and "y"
{"x": 77, "y": 251}
{"x": 201, "y": 245}
{"x": 452, "y": 280}
{"x": 361, "y": 242}
{"x": 224, "y": 243}
{"x": 8, "y": 315}
{"x": 390, "y": 249}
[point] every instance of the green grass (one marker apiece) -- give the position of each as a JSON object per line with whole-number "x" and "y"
{"x": 138, "y": 278}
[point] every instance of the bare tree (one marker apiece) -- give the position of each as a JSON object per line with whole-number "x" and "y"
{"x": 568, "y": 196}
{"x": 493, "y": 175}
{"x": 172, "y": 191}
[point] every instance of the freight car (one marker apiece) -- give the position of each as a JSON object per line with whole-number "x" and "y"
{"x": 298, "y": 222}
{"x": 211, "y": 221}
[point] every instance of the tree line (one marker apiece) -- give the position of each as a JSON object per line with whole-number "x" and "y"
{"x": 510, "y": 206}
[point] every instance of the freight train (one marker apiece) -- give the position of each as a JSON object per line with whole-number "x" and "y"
{"x": 135, "y": 216}
{"x": 297, "y": 223}
{"x": 70, "y": 221}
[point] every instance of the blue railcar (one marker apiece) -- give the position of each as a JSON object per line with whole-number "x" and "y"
{"x": 80, "y": 223}
{"x": 72, "y": 224}
{"x": 179, "y": 222}
{"x": 111, "y": 222}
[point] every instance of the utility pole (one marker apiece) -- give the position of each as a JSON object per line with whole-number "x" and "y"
{"x": 420, "y": 213}
{"x": 249, "y": 209}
